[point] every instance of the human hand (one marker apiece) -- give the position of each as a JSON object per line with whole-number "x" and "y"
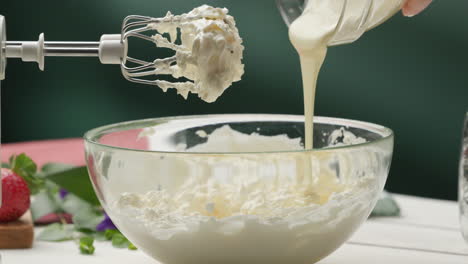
{"x": 414, "y": 7}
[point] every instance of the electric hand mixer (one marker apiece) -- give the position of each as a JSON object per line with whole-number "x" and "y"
{"x": 209, "y": 28}
{"x": 209, "y": 56}
{"x": 111, "y": 49}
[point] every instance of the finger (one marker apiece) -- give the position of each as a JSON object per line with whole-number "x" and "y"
{"x": 414, "y": 7}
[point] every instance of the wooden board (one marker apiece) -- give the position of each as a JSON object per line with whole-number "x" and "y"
{"x": 17, "y": 234}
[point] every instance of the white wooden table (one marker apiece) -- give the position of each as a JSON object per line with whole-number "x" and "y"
{"x": 428, "y": 233}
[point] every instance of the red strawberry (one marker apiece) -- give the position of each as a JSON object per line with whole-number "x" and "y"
{"x": 15, "y": 196}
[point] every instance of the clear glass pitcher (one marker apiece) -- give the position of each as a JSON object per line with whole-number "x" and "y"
{"x": 357, "y": 16}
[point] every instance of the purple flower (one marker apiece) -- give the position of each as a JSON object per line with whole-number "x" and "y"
{"x": 63, "y": 193}
{"x": 105, "y": 224}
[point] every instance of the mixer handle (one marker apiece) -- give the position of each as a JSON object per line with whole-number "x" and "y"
{"x": 111, "y": 49}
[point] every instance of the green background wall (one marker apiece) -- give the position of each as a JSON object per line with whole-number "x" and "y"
{"x": 409, "y": 74}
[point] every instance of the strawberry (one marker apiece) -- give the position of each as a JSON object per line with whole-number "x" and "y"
{"x": 15, "y": 196}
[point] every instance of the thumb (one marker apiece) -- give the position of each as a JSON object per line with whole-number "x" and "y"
{"x": 414, "y": 7}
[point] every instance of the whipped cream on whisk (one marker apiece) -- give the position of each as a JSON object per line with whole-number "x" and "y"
{"x": 210, "y": 53}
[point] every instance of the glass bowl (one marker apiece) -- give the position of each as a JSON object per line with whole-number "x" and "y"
{"x": 251, "y": 198}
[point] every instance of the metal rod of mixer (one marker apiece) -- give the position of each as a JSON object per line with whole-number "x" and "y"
{"x": 71, "y": 49}
{"x": 57, "y": 49}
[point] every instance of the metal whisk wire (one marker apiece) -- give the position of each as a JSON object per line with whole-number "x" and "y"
{"x": 136, "y": 26}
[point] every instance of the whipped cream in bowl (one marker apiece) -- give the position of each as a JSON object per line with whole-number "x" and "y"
{"x": 238, "y": 188}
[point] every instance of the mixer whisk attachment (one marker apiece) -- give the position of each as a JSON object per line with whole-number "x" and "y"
{"x": 209, "y": 55}
{"x": 140, "y": 27}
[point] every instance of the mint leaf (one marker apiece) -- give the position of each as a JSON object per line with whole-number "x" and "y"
{"x": 44, "y": 203}
{"x": 99, "y": 236}
{"x": 386, "y": 206}
{"x": 132, "y": 247}
{"x": 26, "y": 169}
{"x": 76, "y": 181}
{"x": 119, "y": 241}
{"x": 72, "y": 204}
{"x": 85, "y": 215}
{"x": 87, "y": 219}
{"x": 109, "y": 233}
{"x": 52, "y": 167}
{"x": 86, "y": 245}
{"x": 56, "y": 232}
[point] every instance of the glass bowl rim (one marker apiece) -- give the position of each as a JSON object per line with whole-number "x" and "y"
{"x": 385, "y": 132}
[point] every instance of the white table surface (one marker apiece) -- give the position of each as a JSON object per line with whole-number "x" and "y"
{"x": 428, "y": 232}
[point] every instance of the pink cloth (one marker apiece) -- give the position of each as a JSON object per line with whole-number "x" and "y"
{"x": 69, "y": 151}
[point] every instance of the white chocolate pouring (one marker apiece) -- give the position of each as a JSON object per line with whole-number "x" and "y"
{"x": 326, "y": 22}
